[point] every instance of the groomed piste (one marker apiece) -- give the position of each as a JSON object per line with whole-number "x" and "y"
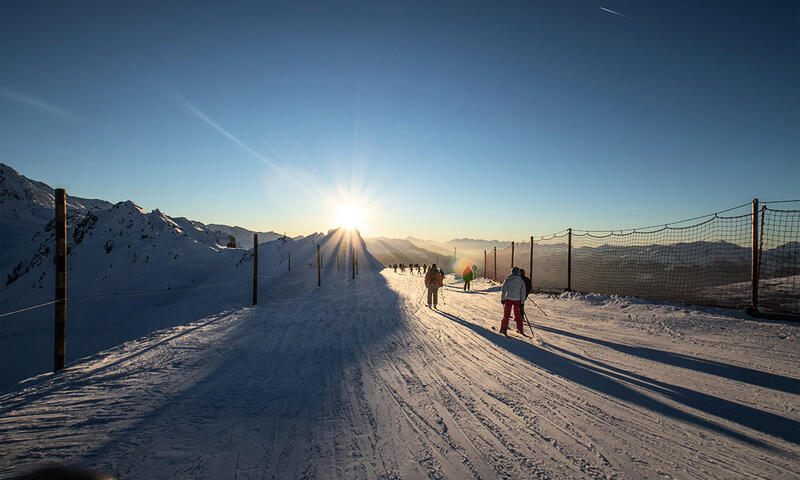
{"x": 359, "y": 379}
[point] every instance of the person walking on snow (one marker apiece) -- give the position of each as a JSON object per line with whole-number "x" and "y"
{"x": 467, "y": 275}
{"x": 528, "y": 289}
{"x": 432, "y": 282}
{"x": 512, "y": 296}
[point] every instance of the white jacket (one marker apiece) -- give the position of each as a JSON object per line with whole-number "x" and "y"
{"x": 513, "y": 288}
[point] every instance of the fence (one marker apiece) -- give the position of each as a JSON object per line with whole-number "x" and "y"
{"x": 706, "y": 260}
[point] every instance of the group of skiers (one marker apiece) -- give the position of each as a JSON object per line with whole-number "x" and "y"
{"x": 420, "y": 269}
{"x": 515, "y": 290}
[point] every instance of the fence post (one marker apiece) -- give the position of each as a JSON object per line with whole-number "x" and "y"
{"x": 255, "y": 269}
{"x": 353, "y": 259}
{"x": 290, "y": 261}
{"x": 60, "y": 345}
{"x": 512, "y": 254}
{"x": 484, "y": 263}
{"x": 530, "y": 272}
{"x": 319, "y": 272}
{"x": 495, "y": 264}
{"x": 754, "y": 260}
{"x": 569, "y": 259}
{"x": 356, "y": 263}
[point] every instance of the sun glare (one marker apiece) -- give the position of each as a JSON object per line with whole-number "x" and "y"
{"x": 350, "y": 217}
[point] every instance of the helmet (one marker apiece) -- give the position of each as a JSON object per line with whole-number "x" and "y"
{"x": 515, "y": 271}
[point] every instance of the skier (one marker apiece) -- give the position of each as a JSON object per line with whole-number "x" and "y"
{"x": 512, "y": 296}
{"x": 424, "y": 268}
{"x": 395, "y": 267}
{"x": 432, "y": 282}
{"x": 467, "y": 275}
{"x": 528, "y": 289}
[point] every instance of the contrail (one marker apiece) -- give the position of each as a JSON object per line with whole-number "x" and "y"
{"x": 615, "y": 13}
{"x": 202, "y": 116}
{"x": 35, "y": 103}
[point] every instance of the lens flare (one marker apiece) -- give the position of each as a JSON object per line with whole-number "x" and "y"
{"x": 350, "y": 216}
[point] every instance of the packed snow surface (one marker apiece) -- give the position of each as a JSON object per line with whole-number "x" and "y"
{"x": 359, "y": 379}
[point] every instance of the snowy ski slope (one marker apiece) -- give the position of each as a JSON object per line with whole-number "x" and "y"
{"x": 360, "y": 380}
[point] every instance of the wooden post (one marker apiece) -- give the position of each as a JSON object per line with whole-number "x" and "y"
{"x": 60, "y": 345}
{"x": 754, "y": 260}
{"x": 319, "y": 272}
{"x": 255, "y": 269}
{"x": 530, "y": 272}
{"x": 495, "y": 264}
{"x": 569, "y": 259}
{"x": 484, "y": 263}
{"x": 512, "y": 254}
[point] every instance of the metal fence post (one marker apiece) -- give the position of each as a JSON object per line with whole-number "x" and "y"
{"x": 255, "y": 269}
{"x": 569, "y": 259}
{"x": 754, "y": 260}
{"x": 530, "y": 272}
{"x": 60, "y": 344}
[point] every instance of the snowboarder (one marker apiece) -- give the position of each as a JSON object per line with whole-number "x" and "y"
{"x": 432, "y": 282}
{"x": 467, "y": 275}
{"x": 528, "y": 289}
{"x": 512, "y": 296}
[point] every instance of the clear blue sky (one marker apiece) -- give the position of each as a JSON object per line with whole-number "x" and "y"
{"x": 446, "y": 119}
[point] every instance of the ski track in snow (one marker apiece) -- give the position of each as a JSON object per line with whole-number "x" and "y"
{"x": 361, "y": 380}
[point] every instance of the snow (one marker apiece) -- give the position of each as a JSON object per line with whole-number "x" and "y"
{"x": 358, "y": 379}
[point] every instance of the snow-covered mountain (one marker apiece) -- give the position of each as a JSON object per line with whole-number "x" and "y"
{"x": 130, "y": 272}
{"x": 243, "y": 236}
{"x": 26, "y": 207}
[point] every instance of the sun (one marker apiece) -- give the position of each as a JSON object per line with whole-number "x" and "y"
{"x": 350, "y": 217}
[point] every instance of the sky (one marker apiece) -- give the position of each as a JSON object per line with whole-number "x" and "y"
{"x": 439, "y": 120}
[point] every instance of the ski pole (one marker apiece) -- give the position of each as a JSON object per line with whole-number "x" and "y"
{"x": 528, "y": 322}
{"x": 540, "y": 308}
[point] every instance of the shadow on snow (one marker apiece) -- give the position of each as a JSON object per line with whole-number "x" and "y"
{"x": 617, "y": 383}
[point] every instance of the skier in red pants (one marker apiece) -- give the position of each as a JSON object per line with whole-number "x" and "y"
{"x": 512, "y": 296}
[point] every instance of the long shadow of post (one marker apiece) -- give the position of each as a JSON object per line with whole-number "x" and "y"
{"x": 741, "y": 374}
{"x": 613, "y": 384}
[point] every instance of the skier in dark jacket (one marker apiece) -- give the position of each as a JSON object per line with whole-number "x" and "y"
{"x": 467, "y": 275}
{"x": 528, "y": 288}
{"x": 432, "y": 282}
